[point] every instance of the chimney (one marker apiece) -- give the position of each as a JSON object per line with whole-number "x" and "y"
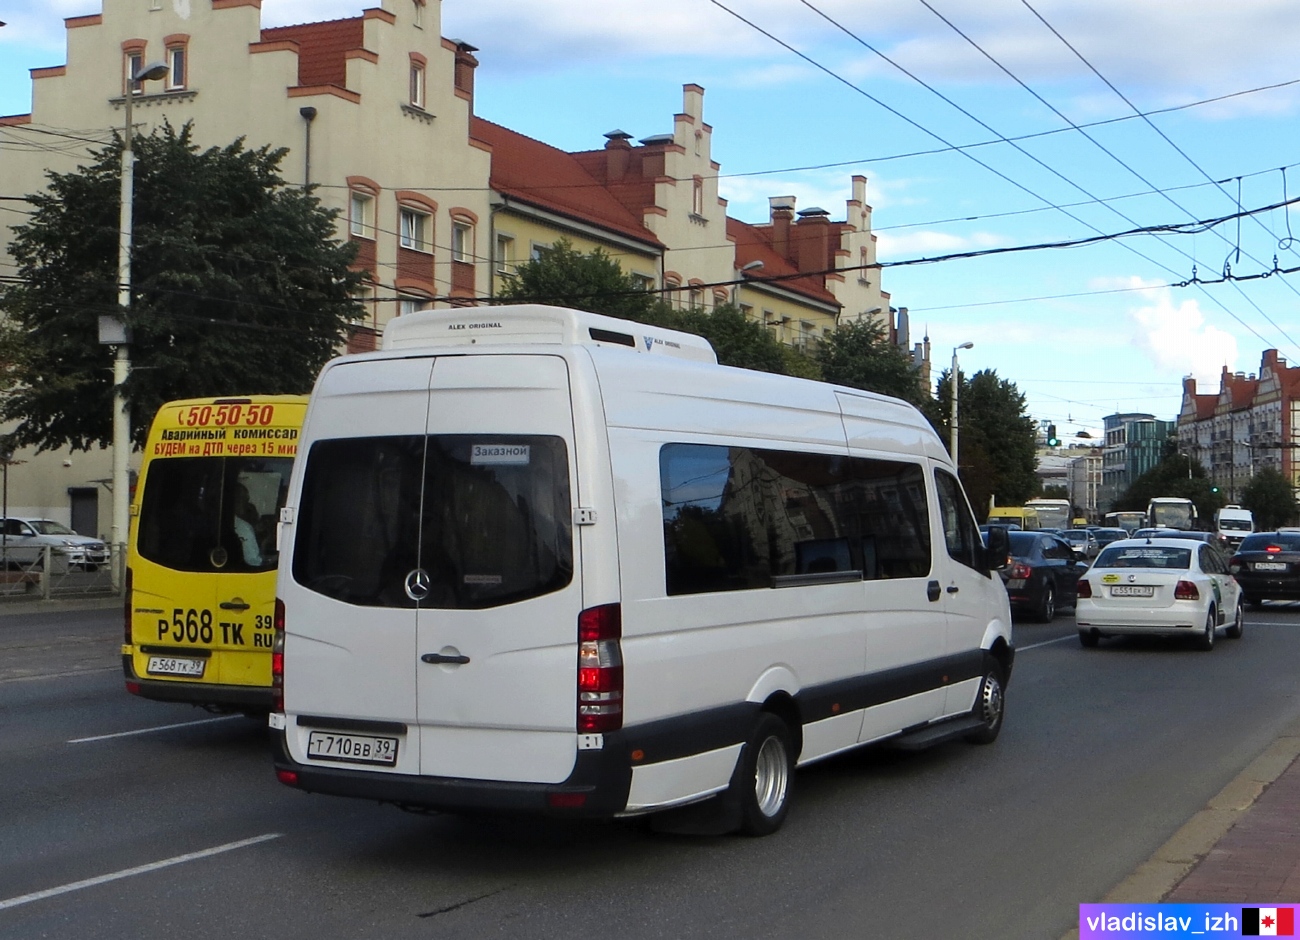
{"x": 617, "y": 153}
{"x": 465, "y": 66}
{"x": 782, "y": 208}
{"x": 811, "y": 240}
{"x": 904, "y": 328}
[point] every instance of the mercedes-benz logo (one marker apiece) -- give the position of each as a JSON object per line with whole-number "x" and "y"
{"x": 417, "y": 584}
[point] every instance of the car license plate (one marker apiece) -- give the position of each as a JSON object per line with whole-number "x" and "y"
{"x": 175, "y": 666}
{"x": 1132, "y": 590}
{"x": 1269, "y": 566}
{"x": 352, "y": 748}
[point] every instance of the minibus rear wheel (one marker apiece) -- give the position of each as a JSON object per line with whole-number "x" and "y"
{"x": 763, "y": 777}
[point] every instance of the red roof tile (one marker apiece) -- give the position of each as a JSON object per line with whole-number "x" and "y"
{"x": 322, "y": 48}
{"x": 754, "y": 243}
{"x": 549, "y": 178}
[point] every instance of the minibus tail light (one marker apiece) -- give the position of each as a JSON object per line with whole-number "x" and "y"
{"x": 126, "y": 608}
{"x": 1186, "y": 591}
{"x": 277, "y": 658}
{"x": 600, "y": 669}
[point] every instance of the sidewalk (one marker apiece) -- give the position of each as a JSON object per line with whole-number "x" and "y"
{"x": 21, "y": 605}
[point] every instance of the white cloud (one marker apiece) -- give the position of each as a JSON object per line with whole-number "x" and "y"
{"x": 1179, "y": 341}
{"x": 896, "y": 244}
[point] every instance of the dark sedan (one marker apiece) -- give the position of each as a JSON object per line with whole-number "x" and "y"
{"x": 1105, "y": 536}
{"x": 1267, "y": 566}
{"x": 1043, "y": 574}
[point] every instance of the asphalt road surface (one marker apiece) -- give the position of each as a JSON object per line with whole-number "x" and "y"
{"x": 122, "y": 818}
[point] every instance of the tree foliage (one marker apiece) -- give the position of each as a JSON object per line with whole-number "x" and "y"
{"x": 1176, "y": 475}
{"x": 860, "y": 355}
{"x": 240, "y": 287}
{"x": 997, "y": 438}
{"x": 565, "y": 277}
{"x": 1270, "y": 499}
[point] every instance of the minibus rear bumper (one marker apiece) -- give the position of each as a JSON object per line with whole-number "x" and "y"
{"x": 238, "y": 698}
{"x": 598, "y": 786}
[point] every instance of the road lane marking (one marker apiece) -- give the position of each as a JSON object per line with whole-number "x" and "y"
{"x": 138, "y": 870}
{"x": 1059, "y": 639}
{"x": 61, "y": 675}
{"x": 127, "y": 734}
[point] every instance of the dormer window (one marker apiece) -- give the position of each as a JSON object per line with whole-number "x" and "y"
{"x": 418, "y": 63}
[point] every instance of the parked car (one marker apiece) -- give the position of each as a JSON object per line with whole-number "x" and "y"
{"x": 25, "y": 540}
{"x": 1043, "y": 574}
{"x": 1267, "y": 566}
{"x": 1160, "y": 586}
{"x": 1082, "y": 541}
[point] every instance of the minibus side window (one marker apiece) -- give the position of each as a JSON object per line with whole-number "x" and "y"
{"x": 738, "y": 518}
{"x": 959, "y": 530}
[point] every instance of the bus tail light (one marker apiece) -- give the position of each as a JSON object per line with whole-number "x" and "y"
{"x": 600, "y": 669}
{"x": 126, "y": 608}
{"x": 1085, "y": 588}
{"x": 277, "y": 659}
{"x": 1186, "y": 591}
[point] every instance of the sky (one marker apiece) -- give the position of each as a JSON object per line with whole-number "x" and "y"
{"x": 981, "y": 125}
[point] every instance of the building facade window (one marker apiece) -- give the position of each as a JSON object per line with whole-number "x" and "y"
{"x": 177, "y": 61}
{"x": 697, "y": 196}
{"x": 414, "y": 230}
{"x": 412, "y": 305}
{"x": 132, "y": 62}
{"x": 462, "y": 242}
{"x": 361, "y": 215}
{"x": 418, "y": 65}
{"x": 418, "y": 18}
{"x": 505, "y": 258}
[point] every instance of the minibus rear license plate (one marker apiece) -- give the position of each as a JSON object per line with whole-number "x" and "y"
{"x": 352, "y": 748}
{"x": 172, "y": 666}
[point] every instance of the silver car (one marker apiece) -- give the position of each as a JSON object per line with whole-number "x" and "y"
{"x": 1082, "y": 541}
{"x": 23, "y": 542}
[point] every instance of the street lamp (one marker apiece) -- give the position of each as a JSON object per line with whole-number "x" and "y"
{"x": 735, "y": 293}
{"x": 955, "y": 383}
{"x": 115, "y": 332}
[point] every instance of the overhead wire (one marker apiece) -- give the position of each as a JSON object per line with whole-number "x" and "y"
{"x": 1108, "y": 152}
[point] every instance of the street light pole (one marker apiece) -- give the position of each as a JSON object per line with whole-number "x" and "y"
{"x": 120, "y": 337}
{"x": 955, "y": 384}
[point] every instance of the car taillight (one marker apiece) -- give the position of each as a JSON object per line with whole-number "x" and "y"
{"x": 288, "y": 777}
{"x": 1021, "y": 570}
{"x": 277, "y": 658}
{"x": 1186, "y": 591}
{"x": 600, "y": 669}
{"x": 1234, "y": 566}
{"x": 1085, "y": 588}
{"x": 126, "y": 608}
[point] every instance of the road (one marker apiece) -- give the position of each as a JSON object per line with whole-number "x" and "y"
{"x": 1104, "y": 754}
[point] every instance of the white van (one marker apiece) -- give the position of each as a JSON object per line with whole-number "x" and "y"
{"x": 1232, "y": 523}
{"x": 535, "y": 559}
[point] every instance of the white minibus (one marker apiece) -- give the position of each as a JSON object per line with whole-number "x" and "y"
{"x": 541, "y": 560}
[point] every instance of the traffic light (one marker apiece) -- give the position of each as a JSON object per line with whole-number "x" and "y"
{"x": 1052, "y": 439}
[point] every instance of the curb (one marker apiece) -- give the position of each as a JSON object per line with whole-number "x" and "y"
{"x": 58, "y": 604}
{"x": 1152, "y": 881}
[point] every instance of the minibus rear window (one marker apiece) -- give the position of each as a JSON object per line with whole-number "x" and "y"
{"x": 212, "y": 514}
{"x": 487, "y": 519}
{"x": 738, "y": 518}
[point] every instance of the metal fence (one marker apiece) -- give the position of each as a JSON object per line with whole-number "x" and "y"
{"x": 48, "y": 575}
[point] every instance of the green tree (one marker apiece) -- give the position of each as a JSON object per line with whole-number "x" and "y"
{"x": 1270, "y": 499}
{"x": 563, "y": 276}
{"x": 737, "y": 340}
{"x": 860, "y": 355}
{"x": 997, "y": 443}
{"x": 240, "y": 287}
{"x": 1176, "y": 475}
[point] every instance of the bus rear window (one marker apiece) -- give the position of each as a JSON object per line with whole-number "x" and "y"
{"x": 212, "y": 514}
{"x": 486, "y": 518}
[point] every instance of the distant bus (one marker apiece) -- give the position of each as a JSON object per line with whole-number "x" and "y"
{"x": 1022, "y": 516}
{"x": 202, "y": 556}
{"x": 1052, "y": 513}
{"x": 1175, "y": 512}
{"x": 1129, "y": 521}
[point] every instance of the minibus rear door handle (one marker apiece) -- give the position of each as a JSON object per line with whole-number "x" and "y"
{"x": 236, "y": 604}
{"x": 456, "y": 659}
{"x": 932, "y": 590}
{"x": 953, "y": 589}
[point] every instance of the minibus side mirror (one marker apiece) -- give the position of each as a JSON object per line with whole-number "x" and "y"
{"x": 998, "y": 549}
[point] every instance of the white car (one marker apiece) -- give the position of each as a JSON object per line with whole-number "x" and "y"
{"x": 1159, "y": 586}
{"x": 24, "y": 542}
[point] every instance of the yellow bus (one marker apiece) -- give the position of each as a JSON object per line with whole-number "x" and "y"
{"x": 200, "y": 582}
{"x": 1024, "y": 516}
